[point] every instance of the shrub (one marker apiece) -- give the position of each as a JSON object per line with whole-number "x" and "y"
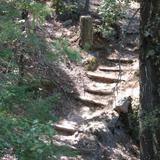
{"x": 29, "y": 139}
{"x": 25, "y": 113}
{"x": 26, "y": 122}
{"x": 66, "y": 10}
{"x": 61, "y": 50}
{"x": 110, "y": 11}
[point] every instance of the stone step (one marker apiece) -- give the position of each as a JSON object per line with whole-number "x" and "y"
{"x": 66, "y": 127}
{"x": 121, "y": 60}
{"x": 110, "y": 69}
{"x": 98, "y": 91}
{"x": 100, "y": 85}
{"x": 90, "y": 102}
{"x": 104, "y": 78}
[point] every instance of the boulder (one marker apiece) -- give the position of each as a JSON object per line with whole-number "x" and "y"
{"x": 123, "y": 105}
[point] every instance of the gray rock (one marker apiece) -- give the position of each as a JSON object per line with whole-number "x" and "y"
{"x": 97, "y": 21}
{"x": 67, "y": 23}
{"x": 122, "y": 105}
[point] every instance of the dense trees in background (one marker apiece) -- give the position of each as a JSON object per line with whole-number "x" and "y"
{"x": 150, "y": 80}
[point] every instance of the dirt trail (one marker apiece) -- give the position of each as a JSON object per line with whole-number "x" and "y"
{"x": 92, "y": 126}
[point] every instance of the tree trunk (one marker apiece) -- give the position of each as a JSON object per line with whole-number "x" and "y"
{"x": 149, "y": 78}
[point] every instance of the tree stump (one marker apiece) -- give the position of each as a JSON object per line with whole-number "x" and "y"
{"x": 86, "y": 32}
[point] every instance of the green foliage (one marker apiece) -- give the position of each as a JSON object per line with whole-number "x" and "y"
{"x": 26, "y": 99}
{"x": 152, "y": 119}
{"x": 134, "y": 125}
{"x": 11, "y": 14}
{"x": 61, "y": 6}
{"x": 61, "y": 49}
{"x": 58, "y": 5}
{"x": 110, "y": 11}
{"x": 6, "y": 53}
{"x": 25, "y": 111}
{"x": 26, "y": 122}
{"x": 133, "y": 119}
{"x": 87, "y": 47}
{"x": 29, "y": 139}
{"x": 28, "y": 41}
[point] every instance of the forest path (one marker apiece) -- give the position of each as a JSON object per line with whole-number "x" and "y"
{"x": 93, "y": 127}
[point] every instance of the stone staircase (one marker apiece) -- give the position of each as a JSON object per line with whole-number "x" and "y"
{"x": 96, "y": 115}
{"x": 101, "y": 91}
